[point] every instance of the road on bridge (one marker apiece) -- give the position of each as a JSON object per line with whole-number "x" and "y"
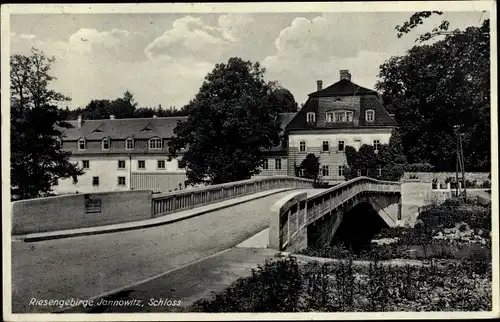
{"x": 84, "y": 267}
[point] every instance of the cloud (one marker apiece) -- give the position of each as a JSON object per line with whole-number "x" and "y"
{"x": 188, "y": 37}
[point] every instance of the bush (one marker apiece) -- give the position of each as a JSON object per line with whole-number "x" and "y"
{"x": 274, "y": 287}
{"x": 347, "y": 287}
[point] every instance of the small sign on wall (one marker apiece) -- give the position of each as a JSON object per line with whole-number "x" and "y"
{"x": 92, "y": 205}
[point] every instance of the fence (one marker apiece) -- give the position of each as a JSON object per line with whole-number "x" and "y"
{"x": 294, "y": 213}
{"x": 163, "y": 204}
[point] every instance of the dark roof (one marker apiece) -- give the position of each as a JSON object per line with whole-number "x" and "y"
{"x": 342, "y": 88}
{"x": 285, "y": 118}
{"x": 120, "y": 129}
{"x": 139, "y": 128}
{"x": 382, "y": 117}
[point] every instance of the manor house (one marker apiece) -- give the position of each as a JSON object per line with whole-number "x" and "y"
{"x": 123, "y": 154}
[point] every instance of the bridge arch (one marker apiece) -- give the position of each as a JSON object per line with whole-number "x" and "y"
{"x": 296, "y": 221}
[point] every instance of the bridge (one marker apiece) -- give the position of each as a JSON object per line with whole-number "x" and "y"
{"x": 298, "y": 221}
{"x": 86, "y": 266}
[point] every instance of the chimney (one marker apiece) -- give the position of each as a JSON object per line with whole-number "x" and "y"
{"x": 319, "y": 84}
{"x": 344, "y": 74}
{"x": 79, "y": 121}
{"x": 111, "y": 117}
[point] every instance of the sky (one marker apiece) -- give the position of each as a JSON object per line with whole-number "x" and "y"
{"x": 162, "y": 58}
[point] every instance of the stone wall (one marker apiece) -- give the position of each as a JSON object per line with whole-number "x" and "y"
{"x": 441, "y": 177}
{"x": 79, "y": 211}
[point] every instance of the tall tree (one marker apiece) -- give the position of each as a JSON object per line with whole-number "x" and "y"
{"x": 36, "y": 155}
{"x": 436, "y": 88}
{"x": 281, "y": 99}
{"x": 229, "y": 123}
{"x": 387, "y": 163}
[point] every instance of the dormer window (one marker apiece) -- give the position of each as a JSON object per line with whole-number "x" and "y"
{"x": 329, "y": 117}
{"x": 311, "y": 117}
{"x": 155, "y": 143}
{"x": 82, "y": 145}
{"x": 370, "y": 115}
{"x": 342, "y": 116}
{"x": 129, "y": 144}
{"x": 105, "y": 144}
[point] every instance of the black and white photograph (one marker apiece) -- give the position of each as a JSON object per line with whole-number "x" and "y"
{"x": 295, "y": 160}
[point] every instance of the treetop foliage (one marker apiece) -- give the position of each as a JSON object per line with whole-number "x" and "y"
{"x": 434, "y": 90}
{"x": 37, "y": 159}
{"x": 231, "y": 119}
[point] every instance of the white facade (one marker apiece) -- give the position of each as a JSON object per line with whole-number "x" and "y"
{"x": 110, "y": 176}
{"x": 333, "y": 160}
{"x": 314, "y": 141}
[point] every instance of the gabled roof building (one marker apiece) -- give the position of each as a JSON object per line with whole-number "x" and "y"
{"x": 122, "y": 154}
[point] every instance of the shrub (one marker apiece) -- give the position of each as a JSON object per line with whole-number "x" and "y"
{"x": 274, "y": 287}
{"x": 345, "y": 286}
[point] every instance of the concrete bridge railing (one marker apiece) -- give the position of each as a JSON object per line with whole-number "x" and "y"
{"x": 291, "y": 215}
{"x": 166, "y": 203}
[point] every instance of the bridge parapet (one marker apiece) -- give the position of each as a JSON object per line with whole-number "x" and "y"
{"x": 171, "y": 202}
{"x": 291, "y": 215}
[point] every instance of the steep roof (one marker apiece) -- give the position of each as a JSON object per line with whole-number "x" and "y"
{"x": 368, "y": 99}
{"x": 285, "y": 118}
{"x": 342, "y": 88}
{"x": 139, "y": 128}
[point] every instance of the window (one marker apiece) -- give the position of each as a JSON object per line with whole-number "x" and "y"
{"x": 379, "y": 171}
{"x": 359, "y": 173}
{"x": 121, "y": 181}
{"x": 341, "y": 146}
{"x": 86, "y": 164}
{"x": 341, "y": 170}
{"x": 277, "y": 164}
{"x": 95, "y": 181}
{"x": 160, "y": 164}
{"x": 376, "y": 145}
{"x": 121, "y": 164}
{"x": 105, "y": 144}
{"x": 343, "y": 116}
{"x": 370, "y": 115}
{"x": 357, "y": 144}
{"x": 326, "y": 146}
{"x": 302, "y": 146}
{"x": 155, "y": 143}
{"x": 130, "y": 144}
{"x": 311, "y": 117}
{"x": 329, "y": 117}
{"x": 141, "y": 164}
{"x": 265, "y": 164}
{"x": 81, "y": 144}
{"x": 325, "y": 171}
{"x": 302, "y": 172}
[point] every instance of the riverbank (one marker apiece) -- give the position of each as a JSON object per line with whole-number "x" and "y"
{"x": 452, "y": 242}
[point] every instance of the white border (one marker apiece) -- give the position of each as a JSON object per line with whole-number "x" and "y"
{"x": 7, "y": 10}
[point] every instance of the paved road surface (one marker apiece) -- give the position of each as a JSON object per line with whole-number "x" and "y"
{"x": 83, "y": 267}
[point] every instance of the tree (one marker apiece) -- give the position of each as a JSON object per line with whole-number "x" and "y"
{"x": 281, "y": 99}
{"x": 434, "y": 88}
{"x": 311, "y": 167}
{"x": 229, "y": 122}
{"x": 160, "y": 112}
{"x": 37, "y": 159}
{"x": 387, "y": 163}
